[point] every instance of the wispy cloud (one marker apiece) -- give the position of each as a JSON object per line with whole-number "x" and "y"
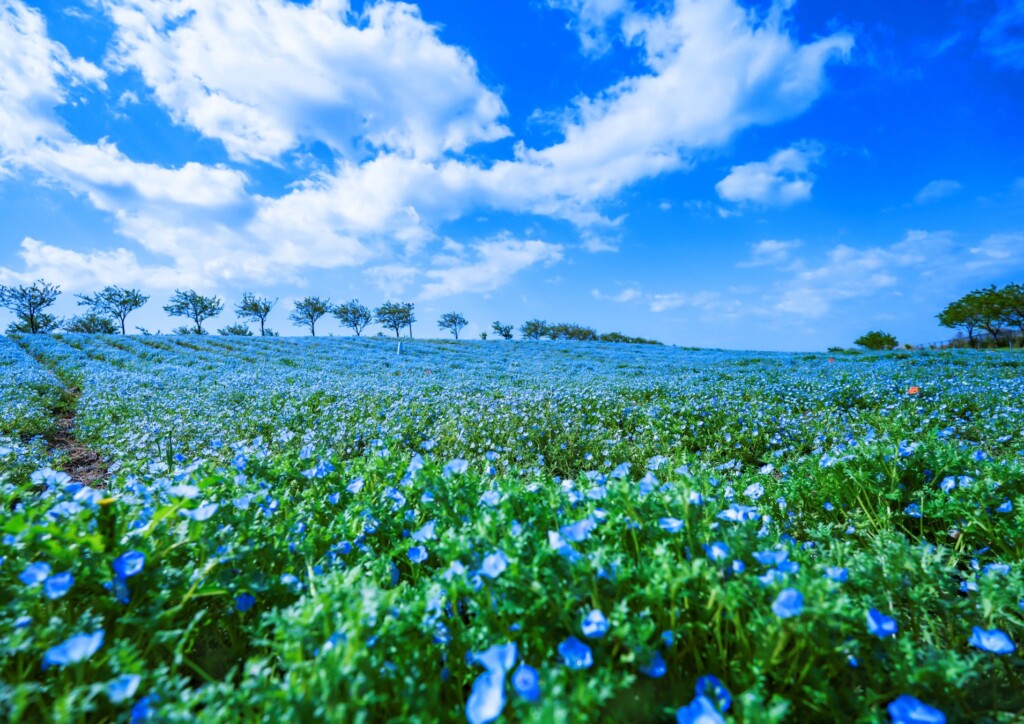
{"x": 940, "y": 188}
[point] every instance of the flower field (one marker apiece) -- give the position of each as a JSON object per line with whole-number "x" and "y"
{"x": 325, "y": 529}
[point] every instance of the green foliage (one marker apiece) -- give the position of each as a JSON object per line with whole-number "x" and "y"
{"x": 395, "y": 316}
{"x": 534, "y": 329}
{"x": 114, "y": 303}
{"x": 996, "y": 311}
{"x": 878, "y": 341}
{"x": 353, "y": 315}
{"x": 236, "y": 330}
{"x": 308, "y": 311}
{"x": 454, "y": 322}
{"x": 192, "y": 305}
{"x": 92, "y": 323}
{"x": 256, "y": 309}
{"x": 28, "y": 304}
{"x": 502, "y": 330}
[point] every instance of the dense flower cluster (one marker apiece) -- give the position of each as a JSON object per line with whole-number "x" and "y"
{"x": 327, "y": 529}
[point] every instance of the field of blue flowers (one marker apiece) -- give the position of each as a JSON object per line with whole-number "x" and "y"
{"x": 325, "y": 529}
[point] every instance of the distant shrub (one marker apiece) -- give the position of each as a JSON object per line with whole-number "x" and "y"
{"x": 877, "y": 340}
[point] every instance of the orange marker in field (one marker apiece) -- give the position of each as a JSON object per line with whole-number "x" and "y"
{"x": 913, "y": 390}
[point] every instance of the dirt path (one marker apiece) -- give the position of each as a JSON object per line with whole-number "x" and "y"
{"x": 81, "y": 462}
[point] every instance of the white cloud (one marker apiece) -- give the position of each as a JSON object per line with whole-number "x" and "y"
{"x": 399, "y": 108}
{"x": 493, "y": 265}
{"x": 712, "y": 305}
{"x": 769, "y": 252}
{"x": 997, "y": 251}
{"x": 937, "y": 189}
{"x": 1003, "y": 37}
{"x": 591, "y": 19}
{"x": 626, "y": 295}
{"x": 922, "y": 261}
{"x": 74, "y": 270}
{"x": 263, "y": 76}
{"x": 34, "y": 73}
{"x": 783, "y": 179}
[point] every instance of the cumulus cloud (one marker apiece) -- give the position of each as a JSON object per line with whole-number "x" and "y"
{"x": 940, "y": 188}
{"x": 783, "y": 179}
{"x": 769, "y": 252}
{"x": 493, "y": 263}
{"x": 262, "y": 76}
{"x": 399, "y": 109}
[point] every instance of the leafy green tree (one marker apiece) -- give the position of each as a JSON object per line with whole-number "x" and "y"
{"x": 877, "y": 341}
{"x": 575, "y": 332}
{"x": 961, "y": 314}
{"x": 502, "y": 330}
{"x": 193, "y": 306}
{"x": 353, "y": 315}
{"x": 408, "y": 310}
{"x": 308, "y": 311}
{"x": 454, "y": 322}
{"x": 991, "y": 308}
{"x": 256, "y": 309}
{"x": 114, "y": 302}
{"x": 1013, "y": 300}
{"x": 395, "y": 316}
{"x": 29, "y": 304}
{"x": 92, "y": 323}
{"x": 534, "y": 329}
{"x": 235, "y": 330}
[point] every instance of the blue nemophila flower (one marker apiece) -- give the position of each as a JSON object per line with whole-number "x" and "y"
{"x": 621, "y": 471}
{"x": 913, "y": 510}
{"x": 355, "y": 486}
{"x": 202, "y": 513}
{"x": 418, "y": 554}
{"x": 244, "y": 601}
{"x": 426, "y": 532}
{"x": 526, "y": 682}
{"x": 1000, "y": 569}
{"x": 595, "y": 625}
{"x": 699, "y": 711}
{"x": 655, "y": 667}
{"x": 837, "y": 574}
{"x": 671, "y": 525}
{"x": 579, "y": 531}
{"x": 1005, "y": 507}
{"x": 494, "y": 564}
{"x": 789, "y": 603}
{"x": 496, "y": 659}
{"x": 717, "y": 551}
{"x": 123, "y": 688}
{"x": 35, "y": 573}
{"x": 128, "y": 564}
{"x": 994, "y": 641}
{"x": 576, "y": 654}
{"x": 487, "y": 698}
{"x": 491, "y": 498}
{"x": 905, "y": 709}
{"x": 713, "y": 689}
{"x": 770, "y": 558}
{"x": 737, "y": 513}
{"x": 23, "y": 622}
{"x": 75, "y": 649}
{"x": 57, "y": 585}
{"x": 458, "y": 466}
{"x": 754, "y": 491}
{"x": 828, "y": 506}
{"x": 881, "y": 625}
{"x": 144, "y": 709}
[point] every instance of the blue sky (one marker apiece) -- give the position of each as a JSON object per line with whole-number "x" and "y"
{"x": 747, "y": 175}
